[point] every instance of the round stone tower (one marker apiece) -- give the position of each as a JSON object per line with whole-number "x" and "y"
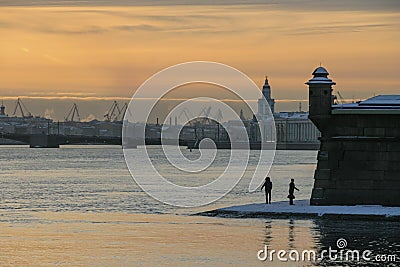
{"x": 320, "y": 93}
{"x": 320, "y": 96}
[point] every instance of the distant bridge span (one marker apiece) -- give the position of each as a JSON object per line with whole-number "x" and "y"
{"x": 55, "y": 140}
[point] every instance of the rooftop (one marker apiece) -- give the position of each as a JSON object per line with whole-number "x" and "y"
{"x": 291, "y": 115}
{"x": 382, "y": 100}
{"x": 381, "y": 104}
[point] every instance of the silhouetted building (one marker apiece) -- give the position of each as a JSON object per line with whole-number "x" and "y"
{"x": 359, "y": 157}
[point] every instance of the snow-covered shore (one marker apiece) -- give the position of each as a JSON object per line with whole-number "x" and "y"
{"x": 302, "y": 208}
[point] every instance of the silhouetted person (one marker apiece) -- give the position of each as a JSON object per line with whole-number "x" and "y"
{"x": 292, "y": 187}
{"x": 268, "y": 188}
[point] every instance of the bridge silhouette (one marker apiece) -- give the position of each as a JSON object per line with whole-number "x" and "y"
{"x": 55, "y": 140}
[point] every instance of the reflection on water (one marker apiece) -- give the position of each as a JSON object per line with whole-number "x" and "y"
{"x": 121, "y": 239}
{"x": 78, "y": 206}
{"x": 382, "y": 238}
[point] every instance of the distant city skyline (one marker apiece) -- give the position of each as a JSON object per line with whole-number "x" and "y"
{"x": 65, "y": 52}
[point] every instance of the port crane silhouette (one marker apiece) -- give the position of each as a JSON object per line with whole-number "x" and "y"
{"x": 21, "y": 106}
{"x": 115, "y": 113}
{"x": 72, "y": 113}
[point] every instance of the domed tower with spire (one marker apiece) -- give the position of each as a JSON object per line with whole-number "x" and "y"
{"x": 266, "y": 91}
{"x": 266, "y": 108}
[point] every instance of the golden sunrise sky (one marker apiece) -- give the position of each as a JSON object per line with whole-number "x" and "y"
{"x": 54, "y": 53}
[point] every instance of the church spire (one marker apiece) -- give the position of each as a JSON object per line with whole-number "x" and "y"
{"x": 266, "y": 91}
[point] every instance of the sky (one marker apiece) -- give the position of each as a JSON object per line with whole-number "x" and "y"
{"x": 55, "y": 53}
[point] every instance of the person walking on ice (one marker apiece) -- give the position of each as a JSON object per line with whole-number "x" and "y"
{"x": 292, "y": 187}
{"x": 268, "y": 188}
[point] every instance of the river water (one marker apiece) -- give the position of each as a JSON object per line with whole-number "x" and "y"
{"x": 79, "y": 206}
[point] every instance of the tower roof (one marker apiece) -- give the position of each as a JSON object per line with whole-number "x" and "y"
{"x": 320, "y": 77}
{"x": 320, "y": 70}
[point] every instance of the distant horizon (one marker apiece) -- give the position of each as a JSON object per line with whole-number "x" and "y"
{"x": 58, "y": 109}
{"x": 56, "y": 53}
